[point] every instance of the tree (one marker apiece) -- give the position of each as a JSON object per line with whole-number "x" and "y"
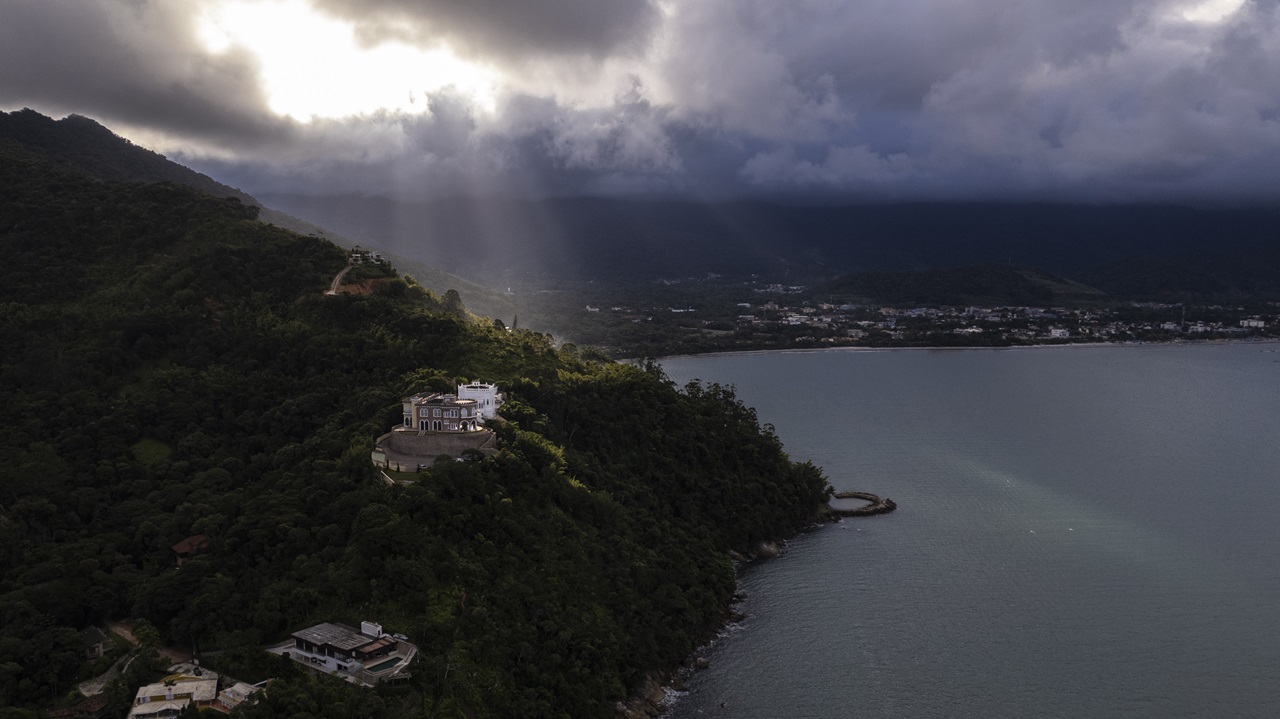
{"x": 452, "y": 304}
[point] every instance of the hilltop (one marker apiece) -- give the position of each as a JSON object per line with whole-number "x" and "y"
{"x": 83, "y": 144}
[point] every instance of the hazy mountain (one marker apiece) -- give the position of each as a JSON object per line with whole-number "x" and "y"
{"x": 1250, "y": 271}
{"x": 1139, "y": 251}
{"x": 84, "y": 144}
{"x": 596, "y": 237}
{"x": 985, "y": 285}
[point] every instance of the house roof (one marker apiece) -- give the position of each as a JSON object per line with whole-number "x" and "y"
{"x": 334, "y": 635}
{"x": 437, "y": 398}
{"x": 191, "y": 544}
{"x": 233, "y": 695}
{"x": 201, "y": 690}
{"x": 92, "y": 636}
{"x": 382, "y": 643}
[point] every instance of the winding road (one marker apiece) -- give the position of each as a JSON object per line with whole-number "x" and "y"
{"x": 337, "y": 280}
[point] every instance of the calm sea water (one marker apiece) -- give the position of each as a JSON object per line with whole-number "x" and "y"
{"x": 1082, "y": 532}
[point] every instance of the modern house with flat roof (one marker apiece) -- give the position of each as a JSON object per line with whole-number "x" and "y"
{"x": 365, "y": 656}
{"x": 235, "y": 695}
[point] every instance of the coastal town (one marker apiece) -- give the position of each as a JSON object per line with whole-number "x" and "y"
{"x": 851, "y": 324}
{"x": 772, "y": 316}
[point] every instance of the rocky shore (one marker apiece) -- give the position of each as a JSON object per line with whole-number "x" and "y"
{"x": 650, "y": 701}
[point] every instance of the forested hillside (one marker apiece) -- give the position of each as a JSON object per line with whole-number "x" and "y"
{"x": 173, "y": 368}
{"x": 83, "y": 143}
{"x": 959, "y": 286}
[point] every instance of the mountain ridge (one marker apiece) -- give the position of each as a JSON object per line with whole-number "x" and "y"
{"x": 84, "y": 144}
{"x": 585, "y": 238}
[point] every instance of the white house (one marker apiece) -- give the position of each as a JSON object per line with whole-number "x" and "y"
{"x": 1059, "y": 333}
{"x": 235, "y": 695}
{"x": 170, "y": 697}
{"x": 485, "y": 395}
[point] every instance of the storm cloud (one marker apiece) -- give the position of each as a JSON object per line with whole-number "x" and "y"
{"x": 1097, "y": 100}
{"x": 131, "y": 62}
{"x": 508, "y": 30}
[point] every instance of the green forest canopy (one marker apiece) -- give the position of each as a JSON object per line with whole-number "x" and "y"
{"x": 173, "y": 368}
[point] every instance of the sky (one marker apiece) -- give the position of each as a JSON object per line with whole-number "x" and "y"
{"x": 824, "y": 100}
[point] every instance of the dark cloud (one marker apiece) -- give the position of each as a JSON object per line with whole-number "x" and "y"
{"x": 843, "y": 99}
{"x": 538, "y": 148}
{"x": 511, "y": 31}
{"x": 132, "y": 62}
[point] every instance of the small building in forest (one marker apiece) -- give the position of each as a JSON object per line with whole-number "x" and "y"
{"x": 191, "y": 546}
{"x": 367, "y": 655}
{"x": 92, "y": 642}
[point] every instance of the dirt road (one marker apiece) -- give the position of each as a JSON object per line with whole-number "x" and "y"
{"x": 337, "y": 280}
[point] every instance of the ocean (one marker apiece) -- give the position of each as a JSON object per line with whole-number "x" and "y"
{"x": 1081, "y": 532}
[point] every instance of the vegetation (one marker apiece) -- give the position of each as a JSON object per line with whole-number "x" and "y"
{"x": 959, "y": 286}
{"x": 173, "y": 368}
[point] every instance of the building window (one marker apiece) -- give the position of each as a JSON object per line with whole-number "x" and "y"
{"x": 408, "y": 422}
{"x": 437, "y": 412}
{"x": 422, "y": 412}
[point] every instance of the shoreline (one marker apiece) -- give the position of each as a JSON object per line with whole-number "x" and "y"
{"x": 655, "y": 698}
{"x": 1069, "y": 345}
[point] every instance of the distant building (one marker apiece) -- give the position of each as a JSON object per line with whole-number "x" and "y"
{"x": 191, "y": 546}
{"x": 91, "y": 642}
{"x": 359, "y": 256}
{"x": 1059, "y": 333}
{"x": 1253, "y": 323}
{"x": 365, "y": 656}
